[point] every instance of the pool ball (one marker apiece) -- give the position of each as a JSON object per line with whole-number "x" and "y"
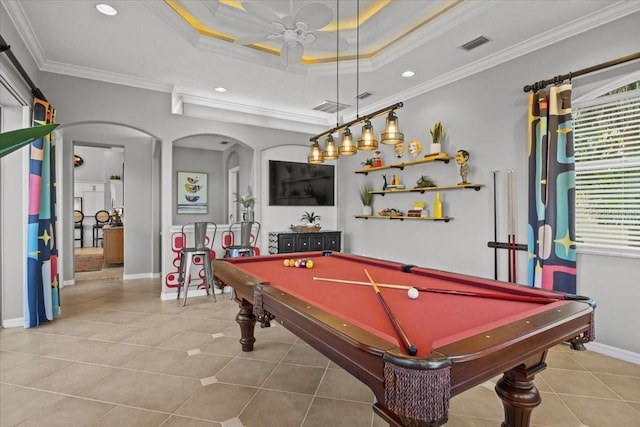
{"x": 413, "y": 293}
{"x": 286, "y": 263}
{"x": 309, "y": 263}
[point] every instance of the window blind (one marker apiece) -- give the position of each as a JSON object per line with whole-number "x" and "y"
{"x": 607, "y": 155}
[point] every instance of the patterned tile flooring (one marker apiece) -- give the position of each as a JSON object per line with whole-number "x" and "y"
{"x": 118, "y": 355}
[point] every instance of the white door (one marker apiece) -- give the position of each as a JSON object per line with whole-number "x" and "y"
{"x": 233, "y": 212}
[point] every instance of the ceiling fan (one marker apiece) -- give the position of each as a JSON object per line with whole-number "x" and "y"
{"x": 294, "y": 31}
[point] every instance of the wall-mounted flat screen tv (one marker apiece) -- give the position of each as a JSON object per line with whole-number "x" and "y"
{"x": 301, "y": 184}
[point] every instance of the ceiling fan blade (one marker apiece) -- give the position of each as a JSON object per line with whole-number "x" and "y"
{"x": 255, "y": 38}
{"x": 326, "y": 40}
{"x": 293, "y": 54}
{"x": 258, "y": 10}
{"x": 315, "y": 16}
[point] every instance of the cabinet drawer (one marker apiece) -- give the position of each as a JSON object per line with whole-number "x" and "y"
{"x": 285, "y": 243}
{"x": 303, "y": 243}
{"x": 332, "y": 242}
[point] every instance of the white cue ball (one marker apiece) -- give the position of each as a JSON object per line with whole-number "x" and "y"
{"x": 413, "y": 293}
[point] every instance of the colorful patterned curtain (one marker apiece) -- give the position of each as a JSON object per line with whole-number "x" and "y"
{"x": 551, "y": 239}
{"x": 41, "y": 296}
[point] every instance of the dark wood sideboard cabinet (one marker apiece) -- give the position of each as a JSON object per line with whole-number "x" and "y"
{"x": 282, "y": 242}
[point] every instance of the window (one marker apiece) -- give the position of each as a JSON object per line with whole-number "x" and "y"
{"x": 607, "y": 155}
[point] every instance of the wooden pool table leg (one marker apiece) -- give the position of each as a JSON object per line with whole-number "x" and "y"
{"x": 247, "y": 322}
{"x": 518, "y": 394}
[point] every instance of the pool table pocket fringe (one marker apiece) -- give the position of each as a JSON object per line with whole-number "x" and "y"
{"x": 418, "y": 397}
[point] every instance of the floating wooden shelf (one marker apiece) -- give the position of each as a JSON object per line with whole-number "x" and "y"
{"x": 441, "y": 157}
{"x": 403, "y": 217}
{"x": 423, "y": 189}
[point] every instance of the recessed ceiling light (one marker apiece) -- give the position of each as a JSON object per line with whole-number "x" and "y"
{"x": 106, "y": 9}
{"x": 408, "y": 73}
{"x": 220, "y": 89}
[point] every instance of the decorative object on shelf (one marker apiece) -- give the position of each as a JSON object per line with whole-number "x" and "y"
{"x": 192, "y": 193}
{"x": 414, "y": 149}
{"x": 386, "y": 184}
{"x": 395, "y": 183}
{"x": 424, "y": 182}
{"x": 398, "y": 147}
{"x": 369, "y": 163}
{"x": 437, "y": 206}
{"x": 418, "y": 209}
{"x": 115, "y": 177}
{"x": 247, "y": 202}
{"x": 366, "y": 197}
{"x": 390, "y": 212}
{"x": 436, "y": 137}
{"x": 462, "y": 158}
{"x": 377, "y": 159}
{"x": 77, "y": 161}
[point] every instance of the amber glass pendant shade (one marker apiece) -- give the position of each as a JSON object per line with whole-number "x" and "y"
{"x": 392, "y": 134}
{"x": 330, "y": 150}
{"x": 367, "y": 140}
{"x": 347, "y": 147}
{"x": 315, "y": 157}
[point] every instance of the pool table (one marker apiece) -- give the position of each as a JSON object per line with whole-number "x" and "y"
{"x": 466, "y": 329}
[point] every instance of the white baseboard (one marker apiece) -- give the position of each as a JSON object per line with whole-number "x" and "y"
{"x": 618, "y": 353}
{"x": 138, "y": 276}
{"x": 13, "y": 323}
{"x": 166, "y": 296}
{"x": 68, "y": 283}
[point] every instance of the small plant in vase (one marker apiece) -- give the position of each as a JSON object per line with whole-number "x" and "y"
{"x": 369, "y": 163}
{"x": 311, "y": 220}
{"x": 366, "y": 197}
{"x": 247, "y": 202}
{"x": 437, "y": 133}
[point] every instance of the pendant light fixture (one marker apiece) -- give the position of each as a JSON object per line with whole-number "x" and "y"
{"x": 367, "y": 140}
{"x": 330, "y": 150}
{"x": 315, "y": 157}
{"x": 392, "y": 134}
{"x": 347, "y": 147}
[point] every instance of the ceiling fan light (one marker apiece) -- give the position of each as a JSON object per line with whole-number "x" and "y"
{"x": 347, "y": 147}
{"x": 367, "y": 140}
{"x": 391, "y": 134}
{"x": 315, "y": 157}
{"x": 330, "y": 150}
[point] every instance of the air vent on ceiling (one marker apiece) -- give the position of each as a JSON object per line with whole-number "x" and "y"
{"x": 364, "y": 95}
{"x": 472, "y": 44}
{"x": 331, "y": 107}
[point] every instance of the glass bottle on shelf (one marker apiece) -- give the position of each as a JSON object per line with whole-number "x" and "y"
{"x": 437, "y": 206}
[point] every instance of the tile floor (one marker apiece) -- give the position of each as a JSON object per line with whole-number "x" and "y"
{"x": 118, "y": 356}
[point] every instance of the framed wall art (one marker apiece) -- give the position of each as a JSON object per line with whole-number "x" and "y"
{"x": 192, "y": 193}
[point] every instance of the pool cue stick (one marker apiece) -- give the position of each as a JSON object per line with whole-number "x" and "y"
{"x": 411, "y": 349}
{"x": 506, "y": 297}
{"x": 510, "y": 248}
{"x": 495, "y": 226}
{"x": 514, "y": 225}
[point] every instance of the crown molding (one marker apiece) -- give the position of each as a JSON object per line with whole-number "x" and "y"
{"x": 20, "y": 21}
{"x": 212, "y": 109}
{"x": 615, "y": 11}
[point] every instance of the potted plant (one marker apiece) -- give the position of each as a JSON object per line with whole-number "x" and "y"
{"x": 310, "y": 217}
{"x": 369, "y": 163}
{"x": 247, "y": 203}
{"x": 366, "y": 197}
{"x": 436, "y": 137}
{"x": 16, "y": 139}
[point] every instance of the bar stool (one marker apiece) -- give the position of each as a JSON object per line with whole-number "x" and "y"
{"x": 102, "y": 219}
{"x": 78, "y": 217}
{"x": 190, "y": 252}
{"x": 248, "y": 240}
